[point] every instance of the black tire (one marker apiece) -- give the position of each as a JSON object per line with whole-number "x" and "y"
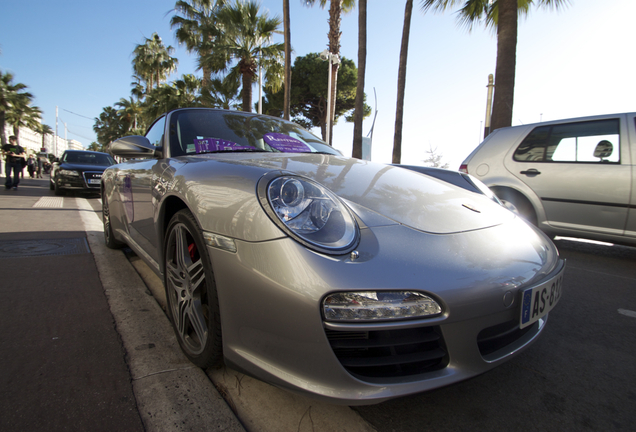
{"x": 193, "y": 305}
{"x": 58, "y": 190}
{"x": 517, "y": 203}
{"x": 109, "y": 238}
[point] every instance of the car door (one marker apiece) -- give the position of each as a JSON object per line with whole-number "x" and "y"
{"x": 581, "y": 171}
{"x": 140, "y": 202}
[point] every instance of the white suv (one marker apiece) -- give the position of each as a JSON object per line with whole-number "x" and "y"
{"x": 572, "y": 177}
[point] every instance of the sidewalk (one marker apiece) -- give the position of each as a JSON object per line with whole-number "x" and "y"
{"x": 83, "y": 346}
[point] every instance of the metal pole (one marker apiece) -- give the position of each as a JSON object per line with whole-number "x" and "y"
{"x": 329, "y": 99}
{"x": 260, "y": 84}
{"x": 55, "y": 146}
{"x": 490, "y": 86}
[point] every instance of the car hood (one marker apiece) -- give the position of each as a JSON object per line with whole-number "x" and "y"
{"x": 380, "y": 194}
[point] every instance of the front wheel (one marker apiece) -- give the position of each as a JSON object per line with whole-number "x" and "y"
{"x": 109, "y": 238}
{"x": 191, "y": 291}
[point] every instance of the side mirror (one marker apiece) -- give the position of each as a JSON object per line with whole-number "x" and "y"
{"x": 134, "y": 146}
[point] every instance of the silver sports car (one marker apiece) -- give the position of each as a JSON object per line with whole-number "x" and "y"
{"x": 346, "y": 280}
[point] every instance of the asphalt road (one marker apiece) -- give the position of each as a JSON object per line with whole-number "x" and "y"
{"x": 580, "y": 376}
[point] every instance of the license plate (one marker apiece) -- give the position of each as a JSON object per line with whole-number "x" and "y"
{"x": 538, "y": 301}
{"x": 94, "y": 181}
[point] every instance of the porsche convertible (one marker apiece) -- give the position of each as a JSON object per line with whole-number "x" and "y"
{"x": 349, "y": 281}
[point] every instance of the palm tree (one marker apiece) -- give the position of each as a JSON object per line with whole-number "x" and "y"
{"x": 11, "y": 95}
{"x": 23, "y": 115}
{"x": 198, "y": 29}
{"x": 502, "y": 15}
{"x": 362, "y": 64}
{"x": 152, "y": 62}
{"x": 224, "y": 93}
{"x": 399, "y": 110}
{"x": 179, "y": 94}
{"x": 336, "y": 9}
{"x": 245, "y": 38}
{"x": 45, "y": 130}
{"x": 131, "y": 113}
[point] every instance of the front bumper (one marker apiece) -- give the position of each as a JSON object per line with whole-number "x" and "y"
{"x": 270, "y": 295}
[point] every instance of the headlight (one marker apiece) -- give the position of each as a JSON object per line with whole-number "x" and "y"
{"x": 309, "y": 213}
{"x": 378, "y": 305}
{"x": 69, "y": 173}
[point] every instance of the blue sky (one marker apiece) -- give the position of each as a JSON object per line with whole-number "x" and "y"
{"x": 577, "y": 61}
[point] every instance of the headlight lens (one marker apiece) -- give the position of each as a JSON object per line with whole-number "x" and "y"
{"x": 311, "y": 214}
{"x": 378, "y": 305}
{"x": 69, "y": 173}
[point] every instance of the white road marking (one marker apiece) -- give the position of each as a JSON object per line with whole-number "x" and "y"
{"x": 627, "y": 313}
{"x": 55, "y": 202}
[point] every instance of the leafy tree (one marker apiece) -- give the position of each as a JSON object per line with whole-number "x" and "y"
{"x": 152, "y": 62}
{"x": 23, "y": 115}
{"x": 181, "y": 93}
{"x": 95, "y": 147}
{"x": 224, "y": 93}
{"x": 45, "y": 130}
{"x": 309, "y": 93}
{"x": 131, "y": 113}
{"x": 245, "y": 39}
{"x": 198, "y": 29}
{"x": 336, "y": 9}
{"x": 109, "y": 126}
{"x": 11, "y": 95}
{"x": 503, "y": 16}
{"x": 434, "y": 159}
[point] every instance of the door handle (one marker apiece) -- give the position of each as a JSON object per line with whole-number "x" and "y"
{"x": 531, "y": 172}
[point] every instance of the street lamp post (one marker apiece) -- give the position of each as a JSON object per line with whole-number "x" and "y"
{"x": 333, "y": 59}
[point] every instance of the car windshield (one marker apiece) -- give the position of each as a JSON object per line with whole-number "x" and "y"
{"x": 199, "y": 131}
{"x": 86, "y": 158}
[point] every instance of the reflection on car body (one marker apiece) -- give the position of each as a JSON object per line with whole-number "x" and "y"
{"x": 342, "y": 279}
{"x": 570, "y": 177}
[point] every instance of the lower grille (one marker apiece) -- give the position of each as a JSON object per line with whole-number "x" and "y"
{"x": 496, "y": 337}
{"x": 389, "y": 353}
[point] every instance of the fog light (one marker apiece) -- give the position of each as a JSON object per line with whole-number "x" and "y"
{"x": 378, "y": 305}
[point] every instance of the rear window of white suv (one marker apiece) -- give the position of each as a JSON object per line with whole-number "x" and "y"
{"x": 583, "y": 142}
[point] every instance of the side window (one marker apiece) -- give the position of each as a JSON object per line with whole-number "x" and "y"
{"x": 595, "y": 141}
{"x": 155, "y": 133}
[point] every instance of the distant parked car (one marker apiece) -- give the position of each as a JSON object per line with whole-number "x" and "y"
{"x": 572, "y": 177}
{"x": 79, "y": 170}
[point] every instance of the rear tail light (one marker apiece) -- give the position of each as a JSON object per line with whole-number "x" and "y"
{"x": 463, "y": 168}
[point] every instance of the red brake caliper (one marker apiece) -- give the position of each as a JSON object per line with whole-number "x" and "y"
{"x": 192, "y": 248}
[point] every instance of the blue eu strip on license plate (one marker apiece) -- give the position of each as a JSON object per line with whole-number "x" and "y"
{"x": 538, "y": 301}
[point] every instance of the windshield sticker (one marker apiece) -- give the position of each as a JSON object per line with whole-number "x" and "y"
{"x": 285, "y": 143}
{"x": 216, "y": 145}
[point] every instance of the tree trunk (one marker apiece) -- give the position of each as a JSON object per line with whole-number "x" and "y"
{"x": 247, "y": 92}
{"x": 506, "y": 64}
{"x": 335, "y": 15}
{"x": 399, "y": 110}
{"x": 362, "y": 63}
{"x": 287, "y": 29}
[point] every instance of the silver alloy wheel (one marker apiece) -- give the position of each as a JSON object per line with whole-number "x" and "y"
{"x": 193, "y": 305}
{"x": 187, "y": 289}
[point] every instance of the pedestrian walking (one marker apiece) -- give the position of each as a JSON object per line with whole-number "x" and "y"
{"x": 31, "y": 166}
{"x": 39, "y": 168}
{"x": 14, "y": 156}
